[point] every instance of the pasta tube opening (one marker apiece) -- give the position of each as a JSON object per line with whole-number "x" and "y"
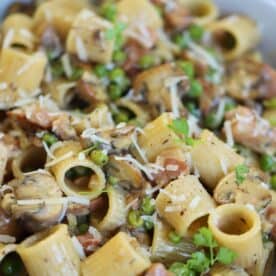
{"x": 239, "y": 228}
{"x": 234, "y": 220}
{"x": 225, "y": 40}
{"x": 80, "y": 178}
{"x": 32, "y": 159}
{"x": 201, "y": 9}
{"x": 39, "y": 253}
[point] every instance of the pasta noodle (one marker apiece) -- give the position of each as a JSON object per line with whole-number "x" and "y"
{"x": 239, "y": 228}
{"x": 230, "y": 35}
{"x": 116, "y": 211}
{"x": 19, "y": 28}
{"x": 183, "y": 203}
{"x": 121, "y": 256}
{"x": 67, "y": 158}
{"x": 203, "y": 12}
{"x": 39, "y": 253}
{"x": 220, "y": 159}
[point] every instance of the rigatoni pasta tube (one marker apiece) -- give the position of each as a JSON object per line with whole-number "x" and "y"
{"x": 203, "y": 12}
{"x": 6, "y": 249}
{"x": 49, "y": 13}
{"x": 157, "y": 136}
{"x": 165, "y": 251}
{"x": 66, "y": 158}
{"x": 121, "y": 255}
{"x": 183, "y": 203}
{"x": 22, "y": 70}
{"x": 31, "y": 159}
{"x": 19, "y": 28}
{"x": 50, "y": 253}
{"x": 239, "y": 228}
{"x": 235, "y": 35}
{"x": 253, "y": 190}
{"x": 213, "y": 158}
{"x": 115, "y": 215}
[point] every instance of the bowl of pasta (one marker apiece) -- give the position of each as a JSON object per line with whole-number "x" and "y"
{"x": 137, "y": 138}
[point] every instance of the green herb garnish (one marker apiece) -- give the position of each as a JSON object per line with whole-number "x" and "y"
{"x": 241, "y": 173}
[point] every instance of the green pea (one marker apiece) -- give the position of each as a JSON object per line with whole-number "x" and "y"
{"x": 174, "y": 237}
{"x": 181, "y": 40}
{"x": 100, "y": 71}
{"x": 273, "y": 182}
{"x": 148, "y": 206}
{"x": 196, "y": 32}
{"x": 211, "y": 121}
{"x": 229, "y": 105}
{"x": 121, "y": 117}
{"x": 113, "y": 180}
{"x": 119, "y": 57}
{"x": 148, "y": 225}
{"x": 195, "y": 90}
{"x": 57, "y": 70}
{"x": 134, "y": 218}
{"x": 146, "y": 61}
{"x": 11, "y": 265}
{"x": 83, "y": 228}
{"x": 192, "y": 108}
{"x": 49, "y": 139}
{"x": 99, "y": 157}
{"x": 76, "y": 74}
{"x": 117, "y": 75}
{"x": 114, "y": 92}
{"x": 267, "y": 163}
{"x": 109, "y": 11}
{"x": 188, "y": 68}
{"x": 270, "y": 103}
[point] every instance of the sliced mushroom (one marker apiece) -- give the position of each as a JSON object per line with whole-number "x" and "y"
{"x": 248, "y": 78}
{"x": 127, "y": 174}
{"x": 250, "y": 130}
{"x": 150, "y": 87}
{"x": 252, "y": 191}
{"x": 36, "y": 217}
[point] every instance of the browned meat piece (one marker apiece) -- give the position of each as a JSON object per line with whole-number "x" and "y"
{"x": 250, "y": 130}
{"x": 158, "y": 269}
{"x": 179, "y": 17}
{"x": 62, "y": 127}
{"x": 134, "y": 52}
{"x": 89, "y": 242}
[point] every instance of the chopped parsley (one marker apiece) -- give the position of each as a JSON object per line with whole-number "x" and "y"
{"x": 208, "y": 254}
{"x": 241, "y": 172}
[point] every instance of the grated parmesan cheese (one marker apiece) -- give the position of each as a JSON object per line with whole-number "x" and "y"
{"x": 202, "y": 54}
{"x": 228, "y": 133}
{"x": 171, "y": 84}
{"x": 81, "y": 50}
{"x": 59, "y": 159}
{"x": 65, "y": 60}
{"x": 173, "y": 198}
{"x": 148, "y": 172}
{"x": 55, "y": 201}
{"x": 90, "y": 133}
{"x": 136, "y": 145}
{"x": 8, "y": 38}
{"x": 7, "y": 239}
{"x": 78, "y": 247}
{"x": 195, "y": 201}
{"x": 173, "y": 208}
{"x": 37, "y": 171}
